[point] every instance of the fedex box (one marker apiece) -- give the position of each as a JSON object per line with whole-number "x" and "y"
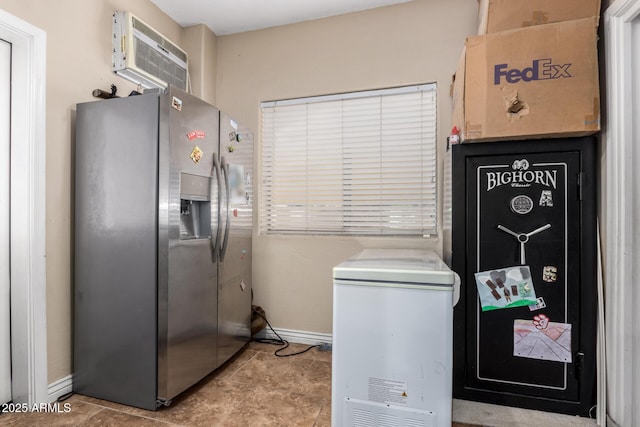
{"x": 534, "y": 82}
{"x": 501, "y": 15}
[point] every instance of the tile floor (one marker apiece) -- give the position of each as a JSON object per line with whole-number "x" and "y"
{"x": 256, "y": 388}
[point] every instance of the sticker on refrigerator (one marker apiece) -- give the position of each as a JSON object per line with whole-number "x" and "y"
{"x": 390, "y": 392}
{"x": 539, "y": 338}
{"x": 196, "y": 134}
{"x": 196, "y": 154}
{"x": 176, "y": 103}
{"x": 505, "y": 288}
{"x": 237, "y": 190}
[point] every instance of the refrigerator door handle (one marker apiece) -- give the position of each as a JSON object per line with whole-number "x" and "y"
{"x": 225, "y": 170}
{"x": 216, "y": 244}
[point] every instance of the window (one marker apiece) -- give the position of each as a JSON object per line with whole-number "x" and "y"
{"x": 360, "y": 163}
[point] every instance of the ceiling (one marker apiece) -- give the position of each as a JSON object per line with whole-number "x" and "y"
{"x": 235, "y": 16}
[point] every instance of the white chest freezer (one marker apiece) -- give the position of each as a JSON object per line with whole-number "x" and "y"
{"x": 393, "y": 339}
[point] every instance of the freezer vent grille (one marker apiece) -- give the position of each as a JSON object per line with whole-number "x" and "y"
{"x": 362, "y": 418}
{"x": 144, "y": 56}
{"x": 362, "y": 413}
{"x": 388, "y": 421}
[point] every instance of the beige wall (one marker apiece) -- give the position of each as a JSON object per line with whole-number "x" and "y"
{"x": 411, "y": 43}
{"x": 416, "y": 42}
{"x": 78, "y": 61}
{"x": 200, "y": 43}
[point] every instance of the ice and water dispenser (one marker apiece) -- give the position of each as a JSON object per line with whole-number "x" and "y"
{"x": 195, "y": 206}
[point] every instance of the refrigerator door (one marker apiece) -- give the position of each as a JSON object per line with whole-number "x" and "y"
{"x": 525, "y": 215}
{"x": 188, "y": 223}
{"x": 234, "y": 287}
{"x": 116, "y": 218}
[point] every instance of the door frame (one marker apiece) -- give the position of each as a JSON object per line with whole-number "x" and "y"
{"x": 621, "y": 199}
{"x": 28, "y": 262}
{"x": 5, "y": 255}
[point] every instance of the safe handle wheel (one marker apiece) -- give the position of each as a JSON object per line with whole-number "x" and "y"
{"x": 523, "y": 238}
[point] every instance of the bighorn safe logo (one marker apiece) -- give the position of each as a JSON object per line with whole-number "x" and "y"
{"x": 521, "y": 176}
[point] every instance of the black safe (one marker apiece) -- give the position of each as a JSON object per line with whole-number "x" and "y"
{"x": 524, "y": 245}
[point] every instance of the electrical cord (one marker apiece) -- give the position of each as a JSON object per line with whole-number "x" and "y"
{"x": 279, "y": 341}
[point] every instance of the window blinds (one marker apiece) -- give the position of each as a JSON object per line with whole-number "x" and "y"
{"x": 361, "y": 163}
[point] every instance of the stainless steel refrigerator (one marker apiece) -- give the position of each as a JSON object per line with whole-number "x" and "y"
{"x": 162, "y": 245}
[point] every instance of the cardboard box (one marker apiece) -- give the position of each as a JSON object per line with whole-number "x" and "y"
{"x": 535, "y": 82}
{"x": 502, "y": 15}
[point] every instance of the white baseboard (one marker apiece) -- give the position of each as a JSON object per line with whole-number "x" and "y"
{"x": 293, "y": 336}
{"x": 60, "y": 388}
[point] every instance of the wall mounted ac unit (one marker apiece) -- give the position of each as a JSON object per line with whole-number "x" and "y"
{"x": 146, "y": 57}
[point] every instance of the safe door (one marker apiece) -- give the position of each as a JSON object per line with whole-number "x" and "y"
{"x": 524, "y": 243}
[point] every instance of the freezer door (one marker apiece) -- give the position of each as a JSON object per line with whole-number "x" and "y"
{"x": 188, "y": 224}
{"x": 116, "y": 216}
{"x": 234, "y": 305}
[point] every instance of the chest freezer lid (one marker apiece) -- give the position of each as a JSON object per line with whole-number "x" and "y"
{"x": 396, "y": 265}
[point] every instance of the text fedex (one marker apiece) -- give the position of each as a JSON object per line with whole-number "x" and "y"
{"x": 541, "y": 69}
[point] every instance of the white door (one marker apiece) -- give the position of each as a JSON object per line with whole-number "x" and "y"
{"x": 5, "y": 327}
